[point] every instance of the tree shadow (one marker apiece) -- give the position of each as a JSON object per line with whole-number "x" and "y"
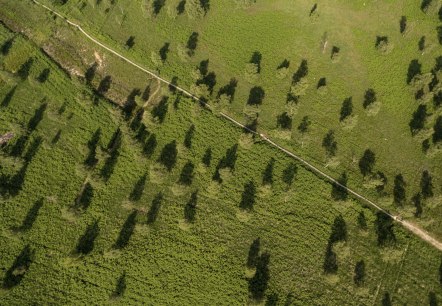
{"x": 138, "y": 190}
{"x": 256, "y": 59}
{"x": 56, "y": 137}
{"x": 207, "y": 157}
{"x": 86, "y": 242}
{"x": 91, "y": 160}
{"x": 169, "y": 155}
{"x": 16, "y": 149}
{"x": 186, "y": 176}
{"x": 130, "y": 104}
{"x": 330, "y": 261}
{"x": 31, "y": 216}
{"x": 152, "y": 214}
{"x": 339, "y": 191}
{"x": 90, "y": 73}
{"x": 267, "y": 175}
{"x": 160, "y": 110}
{"x": 150, "y": 145}
{"x": 228, "y": 90}
{"x": 38, "y": 116}
{"x": 6, "y": 47}
{"x": 190, "y": 208}
{"x": 104, "y": 85}
{"x": 108, "y": 168}
{"x": 192, "y": 43}
{"x": 384, "y": 229}
{"x": 181, "y": 7}
{"x": 16, "y": 273}
{"x": 256, "y": 96}
{"x": 44, "y": 75}
{"x": 414, "y": 69}
{"x": 259, "y": 282}
{"x": 8, "y": 98}
{"x": 84, "y": 198}
{"x": 321, "y": 83}
{"x": 157, "y": 6}
{"x": 284, "y": 64}
{"x": 189, "y": 136}
{"x": 228, "y": 161}
{"x": 126, "y": 231}
{"x": 284, "y": 121}
{"x": 369, "y": 97}
{"x": 346, "y": 109}
{"x": 164, "y": 51}
{"x": 289, "y": 173}
{"x": 121, "y": 286}
{"x": 25, "y": 69}
{"x": 253, "y": 255}
{"x": 301, "y": 72}
{"x": 248, "y": 197}
{"x": 131, "y": 40}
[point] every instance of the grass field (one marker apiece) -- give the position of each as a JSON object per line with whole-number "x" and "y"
{"x": 169, "y": 260}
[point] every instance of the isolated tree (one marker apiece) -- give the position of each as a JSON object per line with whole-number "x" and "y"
{"x": 359, "y": 275}
{"x": 248, "y": 196}
{"x": 369, "y": 97}
{"x": 253, "y": 256}
{"x": 284, "y": 121}
{"x": 417, "y": 123}
{"x": 414, "y": 69}
{"x": 186, "y": 176}
{"x": 399, "y": 190}
{"x": 362, "y": 221}
{"x": 422, "y": 43}
{"x": 346, "y": 109}
{"x": 190, "y": 208}
{"x": 437, "y": 135}
{"x": 304, "y": 125}
{"x": 44, "y": 75}
{"x": 366, "y": 163}
{"x": 289, "y": 173}
{"x": 130, "y": 42}
{"x": 259, "y": 282}
{"x": 339, "y": 230}
{"x": 267, "y": 175}
{"x": 105, "y": 85}
{"x": 329, "y": 144}
{"x": 169, "y": 155}
{"x": 330, "y": 260}
{"x": 207, "y": 158}
{"x": 256, "y": 96}
{"x": 386, "y": 300}
{"x": 384, "y": 229}
{"x": 189, "y": 135}
{"x": 426, "y": 184}
{"x": 192, "y": 43}
{"x": 417, "y": 201}
{"x": 150, "y": 145}
{"x": 403, "y": 24}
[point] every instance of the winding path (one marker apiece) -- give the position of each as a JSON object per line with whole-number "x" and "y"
{"x": 424, "y": 235}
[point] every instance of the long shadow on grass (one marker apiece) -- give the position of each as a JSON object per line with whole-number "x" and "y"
{"x": 126, "y": 231}
{"x": 31, "y": 216}
{"x": 152, "y": 215}
{"x": 17, "y": 271}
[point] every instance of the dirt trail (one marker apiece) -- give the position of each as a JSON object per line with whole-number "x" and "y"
{"x": 412, "y": 228}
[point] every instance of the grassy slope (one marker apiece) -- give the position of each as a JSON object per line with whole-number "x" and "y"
{"x": 171, "y": 261}
{"x": 278, "y": 30}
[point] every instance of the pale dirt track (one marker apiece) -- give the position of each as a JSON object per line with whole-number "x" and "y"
{"x": 412, "y": 228}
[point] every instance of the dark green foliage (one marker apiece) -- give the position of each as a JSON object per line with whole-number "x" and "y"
{"x": 142, "y": 133}
{"x": 190, "y": 208}
{"x": 399, "y": 190}
{"x": 86, "y": 242}
{"x": 251, "y": 126}
{"x": 414, "y": 69}
{"x": 164, "y": 51}
{"x": 256, "y": 59}
{"x": 138, "y": 190}
{"x": 91, "y": 160}
{"x": 362, "y": 221}
{"x": 136, "y": 122}
{"x": 25, "y": 69}
{"x": 304, "y": 125}
{"x": 146, "y": 93}
{"x": 421, "y": 44}
{"x": 284, "y": 64}
{"x": 432, "y": 299}
{"x": 31, "y": 216}
{"x": 169, "y": 155}
{"x": 425, "y": 145}
{"x": 253, "y": 256}
{"x": 272, "y": 299}
{"x": 38, "y": 116}
{"x": 417, "y": 201}
{"x": 346, "y": 109}
{"x": 90, "y": 73}
{"x": 440, "y": 273}
{"x": 426, "y": 185}
{"x": 131, "y": 104}
{"x": 130, "y": 42}
{"x": 189, "y": 135}
{"x": 126, "y": 231}
{"x": 248, "y": 197}
{"x": 313, "y": 9}
{"x": 7, "y": 45}
{"x": 121, "y": 286}
{"x": 227, "y": 161}
{"x": 192, "y": 43}
{"x": 8, "y": 97}
{"x": 205, "y": 5}
{"x": 152, "y": 214}
{"x": 437, "y": 99}
{"x": 256, "y": 96}
{"x": 439, "y": 34}
{"x": 381, "y": 41}
{"x": 209, "y": 80}
{"x": 386, "y": 301}
{"x": 369, "y": 97}
{"x": 56, "y": 137}
{"x": 301, "y": 72}
{"x": 115, "y": 141}
{"x": 85, "y": 197}
{"x": 284, "y": 121}
{"x": 437, "y": 135}
{"x": 417, "y": 123}
{"x": 160, "y": 110}
{"x": 330, "y": 260}
{"x": 109, "y": 165}
{"x": 181, "y": 7}
{"x": 150, "y": 145}
{"x": 228, "y": 89}
{"x": 425, "y": 5}
{"x": 329, "y": 144}
{"x": 384, "y": 229}
{"x": 403, "y": 24}
{"x": 335, "y": 52}
{"x": 186, "y": 176}
{"x": 339, "y": 192}
{"x": 339, "y": 230}
{"x": 157, "y": 6}
{"x": 15, "y": 274}
{"x": 359, "y": 275}
{"x": 259, "y": 282}
{"x": 321, "y": 83}
{"x": 44, "y": 75}
{"x": 207, "y": 158}
{"x": 289, "y": 173}
{"x": 367, "y": 161}
{"x": 17, "y": 147}
{"x": 105, "y": 85}
{"x": 267, "y": 175}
